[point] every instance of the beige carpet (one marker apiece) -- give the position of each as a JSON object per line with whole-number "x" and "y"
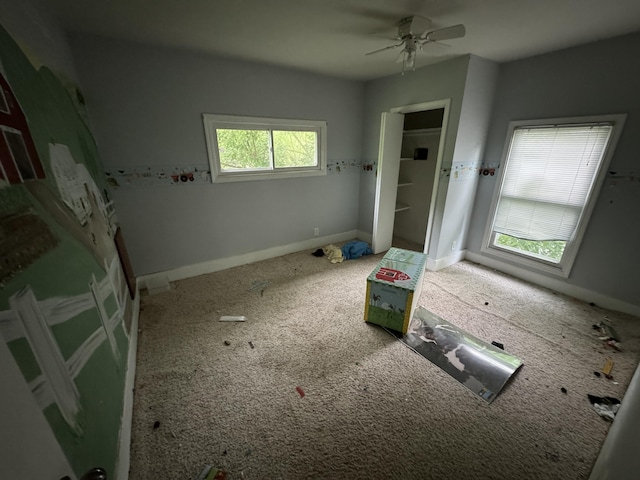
{"x": 372, "y": 408}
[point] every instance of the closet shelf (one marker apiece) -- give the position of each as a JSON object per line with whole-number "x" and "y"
{"x": 401, "y": 207}
{"x": 405, "y": 184}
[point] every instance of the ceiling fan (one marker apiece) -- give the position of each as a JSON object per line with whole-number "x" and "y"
{"x": 414, "y": 33}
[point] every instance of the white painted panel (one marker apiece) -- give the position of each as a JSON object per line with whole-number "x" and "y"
{"x": 391, "y": 128}
{"x": 29, "y": 448}
{"x": 47, "y": 352}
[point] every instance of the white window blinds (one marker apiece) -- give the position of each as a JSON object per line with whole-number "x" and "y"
{"x": 548, "y": 177}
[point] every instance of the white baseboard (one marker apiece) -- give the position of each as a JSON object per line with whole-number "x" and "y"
{"x": 557, "y": 285}
{"x": 440, "y": 263}
{"x": 124, "y": 440}
{"x": 211, "y": 266}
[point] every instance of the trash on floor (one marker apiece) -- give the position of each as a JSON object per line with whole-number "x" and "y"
{"x": 498, "y": 344}
{"x": 606, "y": 407}
{"x": 355, "y": 249}
{"x": 156, "y": 425}
{"x": 481, "y": 367}
{"x": 318, "y": 253}
{"x": 258, "y": 285}
{"x": 608, "y": 335}
{"x": 251, "y": 344}
{"x": 233, "y": 318}
{"x": 227, "y": 343}
{"x": 613, "y": 344}
{"x": 606, "y": 332}
{"x": 300, "y": 391}
{"x": 333, "y": 253}
{"x": 210, "y": 473}
{"x": 607, "y": 368}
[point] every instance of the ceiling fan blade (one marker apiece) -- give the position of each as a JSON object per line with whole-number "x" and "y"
{"x": 435, "y": 49}
{"x": 383, "y": 49}
{"x": 448, "y": 33}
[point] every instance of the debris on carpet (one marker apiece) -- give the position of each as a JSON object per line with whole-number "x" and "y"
{"x": 258, "y": 285}
{"x": 606, "y": 407}
{"x": 251, "y": 345}
{"x": 210, "y": 473}
{"x": 318, "y": 253}
{"x": 333, "y": 253}
{"x": 300, "y": 392}
{"x": 608, "y": 335}
{"x": 607, "y": 368}
{"x": 233, "y": 318}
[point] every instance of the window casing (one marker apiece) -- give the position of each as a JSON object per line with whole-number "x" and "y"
{"x": 552, "y": 171}
{"x": 256, "y": 148}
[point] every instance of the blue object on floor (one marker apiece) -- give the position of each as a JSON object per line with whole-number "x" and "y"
{"x": 355, "y": 249}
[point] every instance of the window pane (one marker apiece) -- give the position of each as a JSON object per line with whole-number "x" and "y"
{"x": 20, "y": 155}
{"x": 243, "y": 149}
{"x": 546, "y": 250}
{"x": 548, "y": 177}
{"x": 3, "y": 102}
{"x": 294, "y": 149}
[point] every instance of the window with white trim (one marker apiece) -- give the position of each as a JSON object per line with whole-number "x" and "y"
{"x": 256, "y": 148}
{"x": 551, "y": 173}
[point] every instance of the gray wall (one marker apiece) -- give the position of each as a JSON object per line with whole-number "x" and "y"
{"x": 435, "y": 82}
{"x": 599, "y": 78}
{"x": 475, "y": 116}
{"x": 146, "y": 103}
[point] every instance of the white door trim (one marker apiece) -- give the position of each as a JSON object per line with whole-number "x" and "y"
{"x": 444, "y": 103}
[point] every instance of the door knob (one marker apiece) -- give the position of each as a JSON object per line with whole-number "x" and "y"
{"x": 93, "y": 474}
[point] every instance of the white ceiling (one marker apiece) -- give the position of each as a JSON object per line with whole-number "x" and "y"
{"x": 332, "y": 36}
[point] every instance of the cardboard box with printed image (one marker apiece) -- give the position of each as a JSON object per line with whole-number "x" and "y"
{"x": 393, "y": 289}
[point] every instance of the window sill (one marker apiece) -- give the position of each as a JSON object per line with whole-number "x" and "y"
{"x": 557, "y": 270}
{"x": 250, "y": 176}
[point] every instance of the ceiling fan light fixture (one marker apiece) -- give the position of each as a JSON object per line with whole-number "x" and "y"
{"x": 413, "y": 34}
{"x": 409, "y": 62}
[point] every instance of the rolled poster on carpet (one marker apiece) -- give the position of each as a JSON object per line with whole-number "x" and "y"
{"x": 481, "y": 367}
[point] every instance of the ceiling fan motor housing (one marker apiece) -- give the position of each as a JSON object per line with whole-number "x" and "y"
{"x": 414, "y": 25}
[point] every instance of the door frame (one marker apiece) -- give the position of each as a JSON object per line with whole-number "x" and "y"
{"x": 445, "y": 103}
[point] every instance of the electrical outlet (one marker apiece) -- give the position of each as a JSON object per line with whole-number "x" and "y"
{"x": 453, "y": 245}
{"x": 316, "y": 231}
